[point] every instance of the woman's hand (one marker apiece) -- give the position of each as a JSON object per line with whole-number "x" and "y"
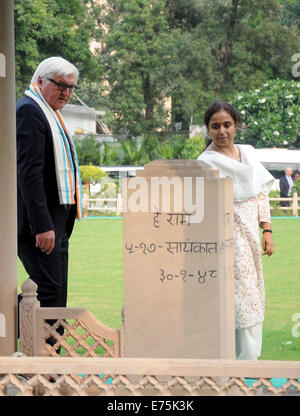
{"x": 267, "y": 244}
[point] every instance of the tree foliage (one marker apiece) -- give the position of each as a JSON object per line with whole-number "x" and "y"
{"x": 88, "y": 151}
{"x": 291, "y": 13}
{"x": 270, "y": 114}
{"x": 139, "y": 62}
{"x": 141, "y": 151}
{"x": 296, "y": 187}
{"x": 46, "y": 28}
{"x": 91, "y": 174}
{"x": 189, "y": 51}
{"x": 192, "y": 50}
{"x": 193, "y": 147}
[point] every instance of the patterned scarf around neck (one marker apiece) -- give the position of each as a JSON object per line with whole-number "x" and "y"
{"x": 66, "y": 162}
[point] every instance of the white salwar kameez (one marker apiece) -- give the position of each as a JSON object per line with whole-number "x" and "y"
{"x": 251, "y": 184}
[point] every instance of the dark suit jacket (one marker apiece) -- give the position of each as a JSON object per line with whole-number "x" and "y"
{"x": 284, "y": 190}
{"x": 38, "y": 202}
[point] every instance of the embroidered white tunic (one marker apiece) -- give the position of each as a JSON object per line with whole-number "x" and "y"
{"x": 248, "y": 270}
{"x": 251, "y": 206}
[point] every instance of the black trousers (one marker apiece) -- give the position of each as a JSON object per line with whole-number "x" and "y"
{"x": 49, "y": 272}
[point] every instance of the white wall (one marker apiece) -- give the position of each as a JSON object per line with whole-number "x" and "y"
{"x": 79, "y": 117}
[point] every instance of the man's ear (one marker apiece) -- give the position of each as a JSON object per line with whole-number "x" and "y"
{"x": 39, "y": 81}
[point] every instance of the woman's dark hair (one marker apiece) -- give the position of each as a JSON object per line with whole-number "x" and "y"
{"x": 219, "y": 106}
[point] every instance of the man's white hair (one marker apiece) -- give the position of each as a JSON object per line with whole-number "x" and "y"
{"x": 54, "y": 66}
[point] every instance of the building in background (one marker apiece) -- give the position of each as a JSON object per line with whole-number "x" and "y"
{"x": 79, "y": 120}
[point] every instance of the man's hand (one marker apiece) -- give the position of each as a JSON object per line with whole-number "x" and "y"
{"x": 45, "y": 241}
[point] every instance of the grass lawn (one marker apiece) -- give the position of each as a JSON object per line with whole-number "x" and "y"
{"x": 282, "y": 283}
{"x": 96, "y": 280}
{"x": 95, "y": 269}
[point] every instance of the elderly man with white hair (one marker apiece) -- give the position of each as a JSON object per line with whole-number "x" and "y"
{"x": 49, "y": 185}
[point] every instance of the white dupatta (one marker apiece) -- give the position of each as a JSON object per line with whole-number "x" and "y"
{"x": 248, "y": 176}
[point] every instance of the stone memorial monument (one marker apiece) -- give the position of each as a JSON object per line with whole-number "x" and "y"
{"x": 178, "y": 262}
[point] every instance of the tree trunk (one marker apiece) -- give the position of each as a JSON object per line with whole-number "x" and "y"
{"x": 148, "y": 100}
{"x": 229, "y": 35}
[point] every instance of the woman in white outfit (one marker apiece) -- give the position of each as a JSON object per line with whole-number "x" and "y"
{"x": 251, "y": 185}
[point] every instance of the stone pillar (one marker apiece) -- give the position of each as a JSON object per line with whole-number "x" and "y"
{"x": 178, "y": 262}
{"x": 28, "y": 327}
{"x": 8, "y": 227}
